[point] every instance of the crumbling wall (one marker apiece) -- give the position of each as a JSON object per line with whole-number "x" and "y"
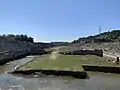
{"x": 84, "y": 52}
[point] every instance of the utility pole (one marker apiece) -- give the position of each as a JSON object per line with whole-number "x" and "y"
{"x": 100, "y": 29}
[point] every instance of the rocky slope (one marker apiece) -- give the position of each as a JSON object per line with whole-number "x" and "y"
{"x": 109, "y": 42}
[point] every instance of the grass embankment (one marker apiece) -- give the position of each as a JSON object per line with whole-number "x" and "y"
{"x": 66, "y": 62}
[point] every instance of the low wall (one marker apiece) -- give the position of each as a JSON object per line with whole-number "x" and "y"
{"x": 84, "y": 52}
{"x": 105, "y": 69}
{"x": 76, "y": 74}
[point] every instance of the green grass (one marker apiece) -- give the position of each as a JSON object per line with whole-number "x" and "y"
{"x": 66, "y": 62}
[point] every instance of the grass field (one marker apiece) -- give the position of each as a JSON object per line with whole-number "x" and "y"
{"x": 66, "y": 62}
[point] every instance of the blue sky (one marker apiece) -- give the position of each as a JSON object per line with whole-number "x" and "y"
{"x": 58, "y": 20}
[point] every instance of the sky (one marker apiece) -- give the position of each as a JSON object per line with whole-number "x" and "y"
{"x": 58, "y": 20}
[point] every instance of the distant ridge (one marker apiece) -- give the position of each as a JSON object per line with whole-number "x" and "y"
{"x": 110, "y": 36}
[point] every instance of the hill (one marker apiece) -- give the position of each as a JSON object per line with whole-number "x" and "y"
{"x": 112, "y": 36}
{"x": 59, "y": 43}
{"x": 109, "y": 42}
{"x": 17, "y": 46}
{"x": 17, "y": 42}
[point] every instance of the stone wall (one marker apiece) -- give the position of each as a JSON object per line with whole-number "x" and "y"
{"x": 76, "y": 74}
{"x": 105, "y": 69}
{"x": 84, "y": 52}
